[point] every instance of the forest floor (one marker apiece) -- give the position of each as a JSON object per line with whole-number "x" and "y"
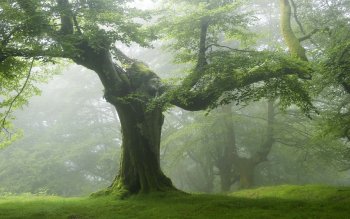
{"x": 287, "y": 201}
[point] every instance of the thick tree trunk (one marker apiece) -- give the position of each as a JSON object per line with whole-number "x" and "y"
{"x": 130, "y": 91}
{"x": 140, "y": 170}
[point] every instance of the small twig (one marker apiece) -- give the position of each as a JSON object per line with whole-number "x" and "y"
{"x": 233, "y": 49}
{"x": 13, "y": 31}
{"x": 7, "y": 38}
{"x": 295, "y": 14}
{"x": 3, "y": 121}
{"x": 308, "y": 36}
{"x": 76, "y": 24}
{"x": 124, "y": 59}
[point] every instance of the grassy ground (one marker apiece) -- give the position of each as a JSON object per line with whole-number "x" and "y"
{"x": 268, "y": 202}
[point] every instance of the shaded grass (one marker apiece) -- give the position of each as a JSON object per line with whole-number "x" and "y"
{"x": 268, "y": 202}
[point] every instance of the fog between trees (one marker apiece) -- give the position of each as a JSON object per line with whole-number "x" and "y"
{"x": 268, "y": 130}
{"x": 71, "y": 144}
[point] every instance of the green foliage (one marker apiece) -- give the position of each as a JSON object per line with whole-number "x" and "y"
{"x": 269, "y": 202}
{"x": 116, "y": 18}
{"x": 335, "y": 72}
{"x": 34, "y": 28}
{"x": 232, "y": 72}
{"x": 18, "y": 83}
{"x": 329, "y": 49}
{"x": 181, "y": 26}
{"x": 234, "y": 64}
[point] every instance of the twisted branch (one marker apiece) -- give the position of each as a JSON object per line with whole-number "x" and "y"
{"x": 3, "y": 121}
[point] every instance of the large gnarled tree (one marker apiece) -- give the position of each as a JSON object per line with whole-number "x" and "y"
{"x": 85, "y": 31}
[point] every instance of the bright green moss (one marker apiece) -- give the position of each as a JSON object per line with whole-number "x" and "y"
{"x": 285, "y": 201}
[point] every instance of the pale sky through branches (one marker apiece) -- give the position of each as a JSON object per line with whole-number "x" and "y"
{"x": 145, "y": 4}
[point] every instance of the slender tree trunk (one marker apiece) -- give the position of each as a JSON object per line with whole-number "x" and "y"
{"x": 225, "y": 162}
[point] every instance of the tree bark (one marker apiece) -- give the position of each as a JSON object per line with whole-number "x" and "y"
{"x": 140, "y": 170}
{"x": 131, "y": 91}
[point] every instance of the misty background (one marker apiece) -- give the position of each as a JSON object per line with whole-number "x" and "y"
{"x": 71, "y": 139}
{"x": 71, "y": 144}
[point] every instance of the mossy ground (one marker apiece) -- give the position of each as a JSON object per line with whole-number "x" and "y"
{"x": 268, "y": 202}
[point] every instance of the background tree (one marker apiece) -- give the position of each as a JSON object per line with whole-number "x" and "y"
{"x": 299, "y": 154}
{"x": 325, "y": 30}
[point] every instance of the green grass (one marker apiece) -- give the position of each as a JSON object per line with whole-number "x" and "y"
{"x": 268, "y": 202}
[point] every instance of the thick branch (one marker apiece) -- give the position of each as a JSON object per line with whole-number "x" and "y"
{"x": 199, "y": 99}
{"x": 308, "y": 36}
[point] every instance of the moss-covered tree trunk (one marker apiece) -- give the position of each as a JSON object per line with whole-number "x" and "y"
{"x": 140, "y": 164}
{"x": 131, "y": 91}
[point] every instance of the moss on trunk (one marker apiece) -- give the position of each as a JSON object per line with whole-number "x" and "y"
{"x": 141, "y": 126}
{"x": 140, "y": 170}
